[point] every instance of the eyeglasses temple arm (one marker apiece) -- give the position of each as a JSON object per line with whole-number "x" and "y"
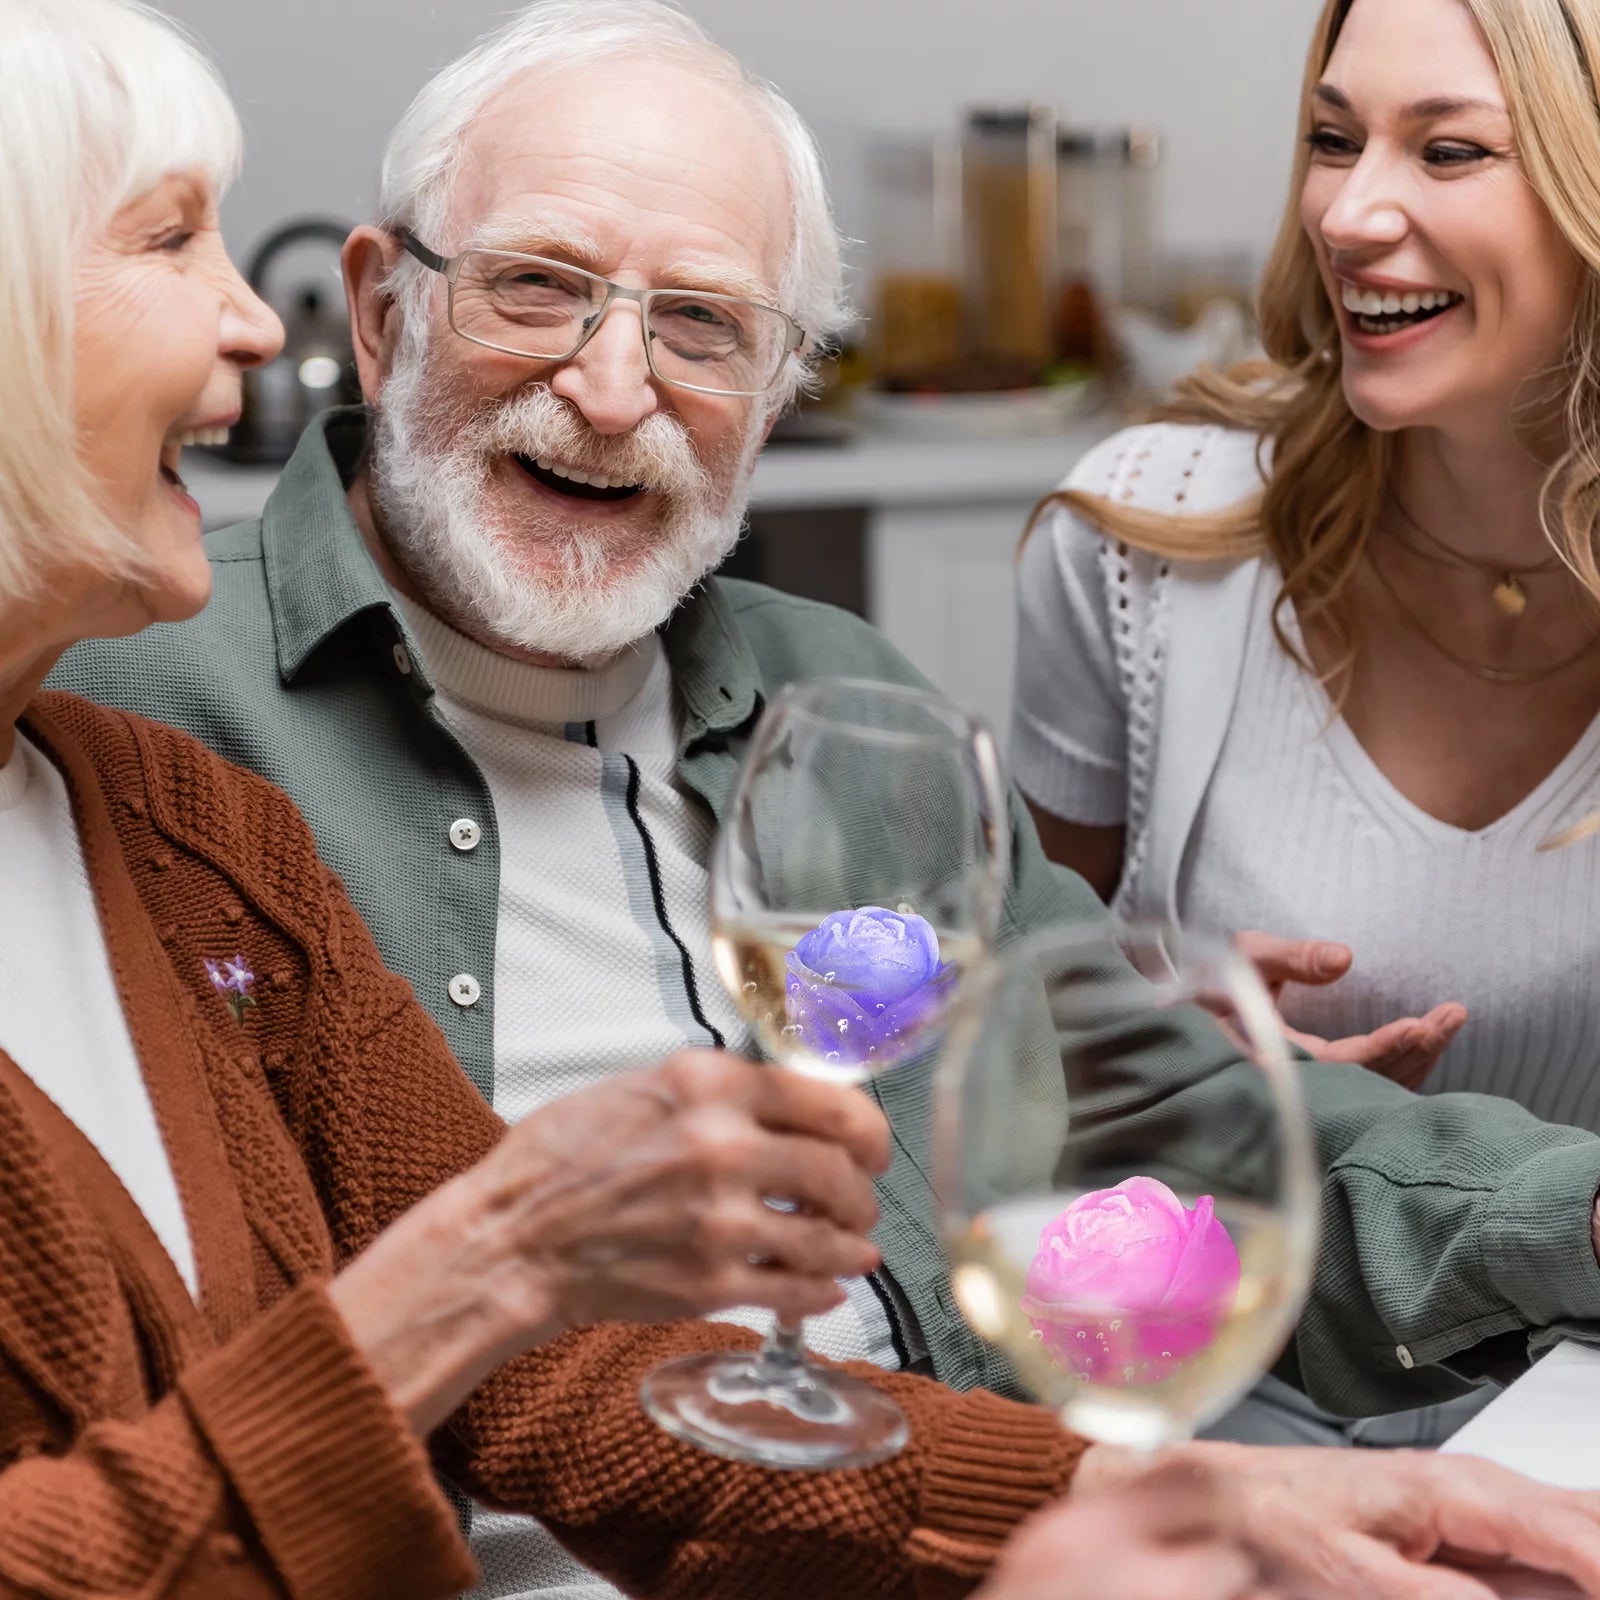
{"x": 416, "y": 247}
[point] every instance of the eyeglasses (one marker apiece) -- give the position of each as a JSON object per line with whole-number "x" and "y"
{"x": 548, "y": 311}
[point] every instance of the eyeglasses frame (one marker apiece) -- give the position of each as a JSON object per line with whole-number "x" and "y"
{"x": 449, "y": 268}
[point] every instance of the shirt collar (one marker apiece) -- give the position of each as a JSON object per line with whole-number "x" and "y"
{"x": 319, "y": 571}
{"x": 716, "y": 673}
{"x": 320, "y": 574}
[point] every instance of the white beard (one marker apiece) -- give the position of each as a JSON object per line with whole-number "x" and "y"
{"x": 550, "y": 587}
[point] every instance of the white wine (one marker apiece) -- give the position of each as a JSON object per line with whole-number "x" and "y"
{"x": 816, "y": 1022}
{"x": 1128, "y": 1377}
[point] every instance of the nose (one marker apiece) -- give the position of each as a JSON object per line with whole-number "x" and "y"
{"x": 609, "y": 379}
{"x": 251, "y": 334}
{"x": 1367, "y": 211}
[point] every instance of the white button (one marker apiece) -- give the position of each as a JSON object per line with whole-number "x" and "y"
{"x": 465, "y": 833}
{"x": 464, "y": 989}
{"x": 402, "y": 658}
{"x": 1403, "y": 1356}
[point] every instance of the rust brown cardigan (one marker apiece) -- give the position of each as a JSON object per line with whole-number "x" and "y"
{"x": 155, "y": 1446}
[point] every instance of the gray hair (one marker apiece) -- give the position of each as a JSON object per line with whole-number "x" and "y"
{"x": 99, "y": 101}
{"x": 424, "y": 152}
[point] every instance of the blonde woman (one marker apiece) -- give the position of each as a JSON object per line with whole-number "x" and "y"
{"x": 1319, "y": 653}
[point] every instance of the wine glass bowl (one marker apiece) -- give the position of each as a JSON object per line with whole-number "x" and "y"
{"x": 1126, "y": 1175}
{"x": 859, "y": 872}
{"x": 856, "y": 881}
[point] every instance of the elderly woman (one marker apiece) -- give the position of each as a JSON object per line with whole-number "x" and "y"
{"x": 192, "y": 1400}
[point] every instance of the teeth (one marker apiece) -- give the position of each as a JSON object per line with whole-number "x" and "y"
{"x": 595, "y": 480}
{"x": 191, "y": 437}
{"x": 1369, "y": 303}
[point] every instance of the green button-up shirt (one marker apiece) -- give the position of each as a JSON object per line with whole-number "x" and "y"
{"x": 1452, "y": 1224}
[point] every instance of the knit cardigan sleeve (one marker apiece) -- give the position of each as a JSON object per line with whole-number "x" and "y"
{"x": 559, "y": 1433}
{"x": 206, "y": 1494}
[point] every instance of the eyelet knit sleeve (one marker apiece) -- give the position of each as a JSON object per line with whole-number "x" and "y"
{"x": 1069, "y": 720}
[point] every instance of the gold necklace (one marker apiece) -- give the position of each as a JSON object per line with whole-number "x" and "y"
{"x": 1508, "y": 595}
{"x": 1502, "y": 675}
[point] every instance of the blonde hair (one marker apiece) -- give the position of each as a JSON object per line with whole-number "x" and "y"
{"x": 99, "y": 101}
{"x": 1330, "y": 472}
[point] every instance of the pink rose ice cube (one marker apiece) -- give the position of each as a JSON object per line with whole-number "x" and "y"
{"x": 1128, "y": 1282}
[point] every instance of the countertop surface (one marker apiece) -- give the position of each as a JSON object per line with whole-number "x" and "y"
{"x": 867, "y": 471}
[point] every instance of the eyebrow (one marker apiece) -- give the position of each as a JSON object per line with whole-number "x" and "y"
{"x": 548, "y": 234}
{"x": 1429, "y": 110}
{"x": 533, "y": 233}
{"x": 716, "y": 277}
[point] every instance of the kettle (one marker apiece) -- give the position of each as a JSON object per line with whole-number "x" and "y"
{"x": 316, "y": 368}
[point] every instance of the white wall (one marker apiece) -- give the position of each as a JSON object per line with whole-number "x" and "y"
{"x": 321, "y": 81}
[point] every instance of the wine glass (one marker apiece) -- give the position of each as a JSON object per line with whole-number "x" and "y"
{"x": 1126, "y": 1173}
{"x": 856, "y": 878}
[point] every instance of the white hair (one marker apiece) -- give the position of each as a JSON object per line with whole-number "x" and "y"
{"x": 99, "y": 101}
{"x": 424, "y": 151}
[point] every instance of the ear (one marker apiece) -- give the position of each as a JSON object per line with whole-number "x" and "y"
{"x": 369, "y": 257}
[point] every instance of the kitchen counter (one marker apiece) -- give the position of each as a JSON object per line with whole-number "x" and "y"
{"x": 942, "y": 525}
{"x": 788, "y": 477}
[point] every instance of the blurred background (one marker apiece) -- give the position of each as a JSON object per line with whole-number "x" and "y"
{"x": 1055, "y": 209}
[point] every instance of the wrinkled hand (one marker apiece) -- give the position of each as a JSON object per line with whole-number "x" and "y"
{"x": 1406, "y": 1050}
{"x": 1163, "y": 1537}
{"x": 643, "y": 1198}
{"x": 1332, "y": 1524}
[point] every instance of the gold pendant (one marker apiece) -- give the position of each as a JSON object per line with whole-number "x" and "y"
{"x": 1509, "y": 596}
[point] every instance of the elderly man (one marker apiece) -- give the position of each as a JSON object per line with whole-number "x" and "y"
{"x": 470, "y": 637}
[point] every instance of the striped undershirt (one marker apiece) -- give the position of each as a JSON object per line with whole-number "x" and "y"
{"x": 602, "y": 943}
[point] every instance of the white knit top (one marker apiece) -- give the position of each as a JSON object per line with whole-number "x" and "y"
{"x": 1301, "y": 833}
{"x": 1156, "y": 695}
{"x": 61, "y": 1018}
{"x": 602, "y": 943}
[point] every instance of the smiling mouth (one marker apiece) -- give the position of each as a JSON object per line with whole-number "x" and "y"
{"x": 1390, "y": 311}
{"x": 576, "y": 485}
{"x": 177, "y": 442}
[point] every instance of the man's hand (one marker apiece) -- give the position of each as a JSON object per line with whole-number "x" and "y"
{"x": 1334, "y": 1524}
{"x": 1161, "y": 1538}
{"x": 1406, "y": 1050}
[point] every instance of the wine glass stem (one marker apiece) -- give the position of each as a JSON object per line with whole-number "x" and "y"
{"x": 784, "y": 1348}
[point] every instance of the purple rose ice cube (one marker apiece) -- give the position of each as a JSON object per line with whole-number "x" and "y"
{"x": 861, "y": 982}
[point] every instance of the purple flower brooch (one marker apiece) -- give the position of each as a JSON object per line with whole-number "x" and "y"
{"x": 233, "y": 980}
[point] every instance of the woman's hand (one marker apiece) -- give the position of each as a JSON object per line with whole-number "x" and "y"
{"x": 1389, "y": 1524}
{"x": 643, "y": 1199}
{"x": 1406, "y": 1050}
{"x": 1161, "y": 1538}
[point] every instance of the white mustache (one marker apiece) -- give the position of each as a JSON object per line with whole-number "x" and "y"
{"x": 656, "y": 453}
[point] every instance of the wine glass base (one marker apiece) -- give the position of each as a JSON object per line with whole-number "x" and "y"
{"x": 749, "y": 1408}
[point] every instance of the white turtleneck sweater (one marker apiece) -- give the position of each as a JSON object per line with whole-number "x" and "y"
{"x": 602, "y": 944}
